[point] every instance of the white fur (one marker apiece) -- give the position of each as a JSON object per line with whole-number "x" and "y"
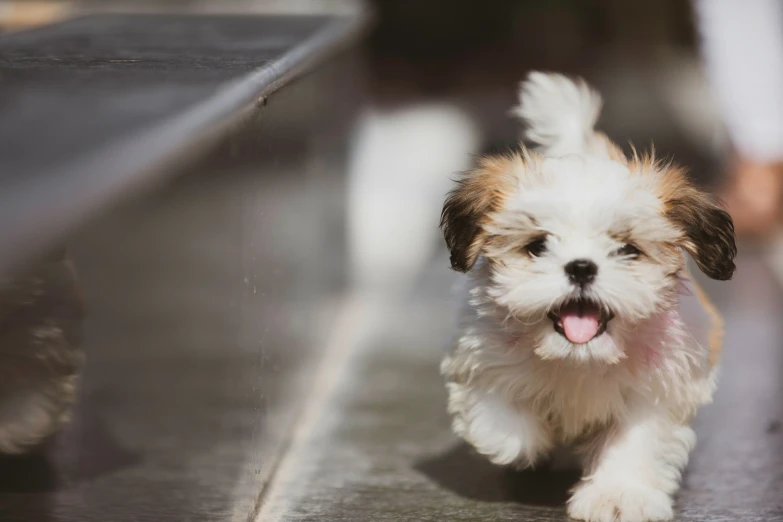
{"x": 560, "y": 113}
{"x": 623, "y": 401}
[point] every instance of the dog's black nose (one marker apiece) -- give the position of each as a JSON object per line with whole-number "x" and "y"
{"x": 581, "y": 271}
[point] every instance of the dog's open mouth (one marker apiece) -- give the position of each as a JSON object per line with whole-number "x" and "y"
{"x": 580, "y": 320}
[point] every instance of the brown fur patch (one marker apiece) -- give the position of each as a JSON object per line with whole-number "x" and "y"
{"x": 468, "y": 207}
{"x": 715, "y": 339}
{"x": 707, "y": 229}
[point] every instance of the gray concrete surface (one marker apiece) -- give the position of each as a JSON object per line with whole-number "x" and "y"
{"x": 379, "y": 446}
{"x": 205, "y": 309}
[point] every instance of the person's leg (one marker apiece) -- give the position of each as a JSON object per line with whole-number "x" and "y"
{"x": 742, "y": 45}
{"x": 754, "y": 195}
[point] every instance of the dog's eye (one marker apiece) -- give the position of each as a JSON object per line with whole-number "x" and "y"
{"x": 629, "y": 251}
{"x": 536, "y": 248}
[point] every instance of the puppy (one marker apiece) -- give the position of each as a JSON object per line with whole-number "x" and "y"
{"x": 573, "y": 333}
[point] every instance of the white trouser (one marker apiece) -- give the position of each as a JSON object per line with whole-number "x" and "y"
{"x": 742, "y": 44}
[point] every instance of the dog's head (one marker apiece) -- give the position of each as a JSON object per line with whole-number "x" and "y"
{"x": 581, "y": 249}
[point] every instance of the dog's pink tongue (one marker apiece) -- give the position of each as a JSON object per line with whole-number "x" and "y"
{"x": 580, "y": 326}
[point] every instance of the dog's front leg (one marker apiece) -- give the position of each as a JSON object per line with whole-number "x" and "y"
{"x": 506, "y": 434}
{"x": 633, "y": 469}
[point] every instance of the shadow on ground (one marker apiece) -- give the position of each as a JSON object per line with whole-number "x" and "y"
{"x": 469, "y": 475}
{"x": 97, "y": 453}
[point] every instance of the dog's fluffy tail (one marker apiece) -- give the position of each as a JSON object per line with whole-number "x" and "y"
{"x": 560, "y": 113}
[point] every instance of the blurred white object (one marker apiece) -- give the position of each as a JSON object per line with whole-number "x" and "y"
{"x": 742, "y": 44}
{"x": 401, "y": 168}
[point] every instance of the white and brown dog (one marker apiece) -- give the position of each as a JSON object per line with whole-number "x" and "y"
{"x": 573, "y": 335}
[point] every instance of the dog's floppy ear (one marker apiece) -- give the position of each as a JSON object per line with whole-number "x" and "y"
{"x": 708, "y": 231}
{"x": 468, "y": 208}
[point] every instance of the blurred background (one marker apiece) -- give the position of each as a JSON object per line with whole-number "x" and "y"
{"x": 253, "y": 332}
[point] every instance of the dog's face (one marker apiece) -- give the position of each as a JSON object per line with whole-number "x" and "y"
{"x": 583, "y": 249}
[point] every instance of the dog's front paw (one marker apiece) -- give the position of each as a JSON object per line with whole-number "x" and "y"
{"x": 603, "y": 502}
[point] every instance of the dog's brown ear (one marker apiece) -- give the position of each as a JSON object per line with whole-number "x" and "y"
{"x": 469, "y": 206}
{"x": 708, "y": 230}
